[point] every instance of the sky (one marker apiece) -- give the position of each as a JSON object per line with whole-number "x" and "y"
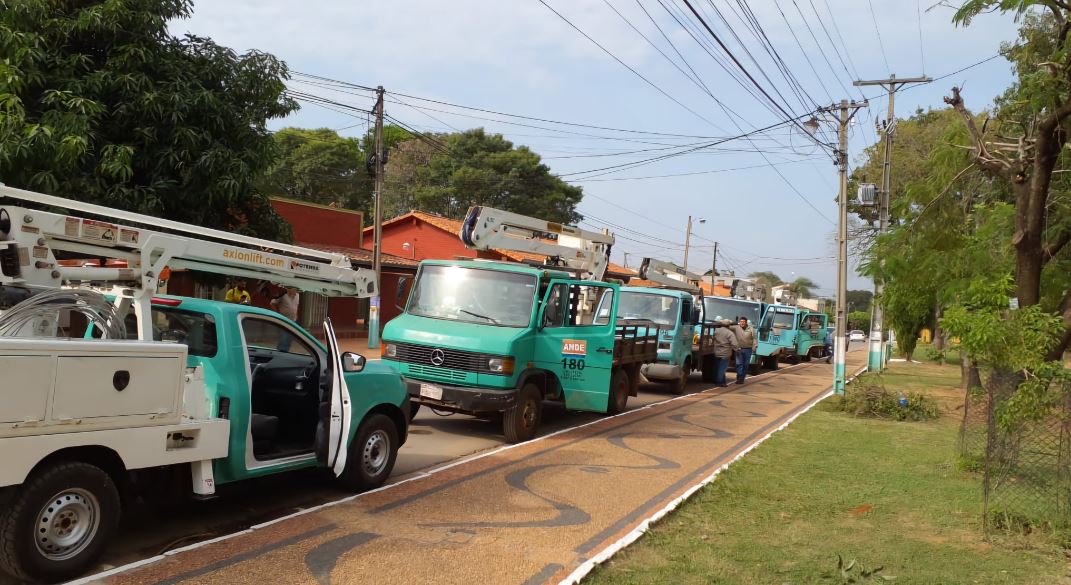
{"x": 769, "y": 200}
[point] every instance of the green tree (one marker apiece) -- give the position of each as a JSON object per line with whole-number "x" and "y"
{"x": 321, "y": 167}
{"x": 803, "y": 287}
{"x": 99, "y": 102}
{"x": 448, "y": 173}
{"x": 859, "y": 300}
{"x": 859, "y": 320}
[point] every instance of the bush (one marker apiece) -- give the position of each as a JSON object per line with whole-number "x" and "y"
{"x": 871, "y": 399}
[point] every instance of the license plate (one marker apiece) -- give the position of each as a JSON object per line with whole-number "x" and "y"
{"x": 431, "y": 391}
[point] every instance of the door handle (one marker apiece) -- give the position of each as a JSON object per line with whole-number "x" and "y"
{"x": 604, "y": 350}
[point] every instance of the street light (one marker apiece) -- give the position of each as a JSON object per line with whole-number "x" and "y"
{"x": 688, "y": 239}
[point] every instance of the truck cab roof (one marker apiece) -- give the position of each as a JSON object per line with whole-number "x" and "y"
{"x": 665, "y": 292}
{"x": 544, "y": 272}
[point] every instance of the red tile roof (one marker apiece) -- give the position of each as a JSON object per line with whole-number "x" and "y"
{"x": 362, "y": 256}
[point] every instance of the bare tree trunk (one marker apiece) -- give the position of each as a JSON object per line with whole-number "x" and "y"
{"x": 969, "y": 377}
{"x": 938, "y": 332}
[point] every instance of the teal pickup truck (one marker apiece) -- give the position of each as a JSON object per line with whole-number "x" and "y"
{"x": 810, "y": 341}
{"x": 685, "y": 344}
{"x": 495, "y": 339}
{"x": 271, "y": 379}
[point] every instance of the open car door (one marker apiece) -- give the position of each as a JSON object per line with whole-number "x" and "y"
{"x": 335, "y": 407}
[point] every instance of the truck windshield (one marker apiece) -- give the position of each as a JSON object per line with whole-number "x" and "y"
{"x": 660, "y": 309}
{"x": 474, "y": 295}
{"x": 784, "y": 320}
{"x": 717, "y": 308}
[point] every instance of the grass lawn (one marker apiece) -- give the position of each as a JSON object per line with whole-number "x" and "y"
{"x": 880, "y": 492}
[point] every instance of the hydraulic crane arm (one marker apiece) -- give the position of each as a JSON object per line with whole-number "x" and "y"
{"x": 33, "y": 241}
{"x": 564, "y": 246}
{"x": 669, "y": 275}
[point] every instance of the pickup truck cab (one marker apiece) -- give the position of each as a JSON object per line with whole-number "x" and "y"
{"x": 782, "y": 327}
{"x": 228, "y": 391}
{"x": 484, "y": 337}
{"x": 685, "y": 343}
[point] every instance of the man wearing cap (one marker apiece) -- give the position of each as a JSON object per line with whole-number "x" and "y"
{"x": 725, "y": 344}
{"x": 748, "y": 342}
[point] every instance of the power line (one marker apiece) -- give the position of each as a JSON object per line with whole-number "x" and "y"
{"x": 922, "y": 49}
{"x": 877, "y": 30}
{"x": 626, "y": 65}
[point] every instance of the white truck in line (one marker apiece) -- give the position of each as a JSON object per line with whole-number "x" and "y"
{"x": 239, "y": 392}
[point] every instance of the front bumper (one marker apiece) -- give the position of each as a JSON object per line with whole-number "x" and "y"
{"x": 462, "y": 398}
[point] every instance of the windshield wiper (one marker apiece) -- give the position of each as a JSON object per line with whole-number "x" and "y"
{"x": 467, "y": 312}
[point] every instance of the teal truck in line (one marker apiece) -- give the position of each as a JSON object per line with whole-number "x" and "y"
{"x": 686, "y": 344}
{"x": 761, "y": 316}
{"x": 490, "y": 338}
{"x": 151, "y": 389}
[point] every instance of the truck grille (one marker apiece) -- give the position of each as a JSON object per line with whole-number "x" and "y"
{"x": 438, "y": 372}
{"x": 452, "y": 359}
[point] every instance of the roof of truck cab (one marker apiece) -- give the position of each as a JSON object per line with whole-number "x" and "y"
{"x": 208, "y": 305}
{"x": 665, "y": 292}
{"x": 500, "y": 266}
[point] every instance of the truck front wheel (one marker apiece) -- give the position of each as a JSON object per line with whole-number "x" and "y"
{"x": 59, "y": 522}
{"x": 680, "y": 385}
{"x": 372, "y": 454}
{"x": 519, "y": 422}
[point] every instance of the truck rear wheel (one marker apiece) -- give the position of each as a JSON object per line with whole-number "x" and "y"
{"x": 59, "y": 522}
{"x": 618, "y": 398}
{"x": 520, "y": 422}
{"x": 710, "y": 369}
{"x": 794, "y": 359}
{"x": 770, "y": 362}
{"x": 372, "y": 454}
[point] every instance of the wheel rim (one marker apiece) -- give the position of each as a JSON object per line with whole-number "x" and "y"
{"x": 529, "y": 414}
{"x": 376, "y": 453}
{"x": 67, "y": 524}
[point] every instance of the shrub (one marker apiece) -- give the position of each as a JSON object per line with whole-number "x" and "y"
{"x": 870, "y": 398}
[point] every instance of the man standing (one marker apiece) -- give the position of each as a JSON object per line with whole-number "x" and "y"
{"x": 288, "y": 303}
{"x": 748, "y": 342}
{"x": 239, "y": 294}
{"x": 724, "y": 345}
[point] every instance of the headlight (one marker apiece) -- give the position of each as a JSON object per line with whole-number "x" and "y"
{"x": 502, "y": 366}
{"x": 390, "y": 350}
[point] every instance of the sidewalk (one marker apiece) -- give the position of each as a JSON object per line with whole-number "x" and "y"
{"x": 531, "y": 513}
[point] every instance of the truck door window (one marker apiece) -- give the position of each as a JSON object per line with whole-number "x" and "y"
{"x": 264, "y": 334}
{"x": 590, "y": 305}
{"x": 686, "y": 312}
{"x": 554, "y": 311}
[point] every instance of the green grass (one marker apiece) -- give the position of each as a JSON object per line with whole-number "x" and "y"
{"x": 880, "y": 492}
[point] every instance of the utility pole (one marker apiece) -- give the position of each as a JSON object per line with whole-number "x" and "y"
{"x": 878, "y": 338}
{"x": 847, "y": 111}
{"x": 373, "y": 309}
{"x": 687, "y": 240}
{"x": 713, "y": 268}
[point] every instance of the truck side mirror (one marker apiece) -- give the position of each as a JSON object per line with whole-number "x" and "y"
{"x": 352, "y": 362}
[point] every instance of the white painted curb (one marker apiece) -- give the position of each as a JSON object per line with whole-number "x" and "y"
{"x": 608, "y": 552}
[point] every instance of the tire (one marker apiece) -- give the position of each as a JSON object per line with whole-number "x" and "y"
{"x": 80, "y": 505}
{"x": 807, "y": 357}
{"x": 372, "y": 454}
{"x": 710, "y": 369}
{"x": 771, "y": 363}
{"x": 414, "y": 407}
{"x": 520, "y": 422}
{"x": 618, "y": 398}
{"x": 794, "y": 359}
{"x": 754, "y": 369}
{"x": 680, "y": 385}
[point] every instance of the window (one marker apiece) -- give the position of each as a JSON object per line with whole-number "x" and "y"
{"x": 659, "y": 309}
{"x": 554, "y": 313}
{"x": 272, "y": 336}
{"x": 197, "y": 331}
{"x": 474, "y": 295}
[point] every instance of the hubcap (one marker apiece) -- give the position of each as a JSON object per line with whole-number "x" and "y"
{"x": 67, "y": 524}
{"x": 529, "y": 414}
{"x": 376, "y": 453}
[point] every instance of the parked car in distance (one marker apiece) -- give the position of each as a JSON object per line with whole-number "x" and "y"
{"x": 857, "y": 335}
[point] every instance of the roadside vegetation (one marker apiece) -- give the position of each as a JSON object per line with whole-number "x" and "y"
{"x": 834, "y": 488}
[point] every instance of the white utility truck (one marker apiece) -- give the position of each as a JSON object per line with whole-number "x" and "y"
{"x": 213, "y": 392}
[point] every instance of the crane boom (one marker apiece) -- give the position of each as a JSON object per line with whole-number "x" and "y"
{"x": 669, "y": 275}
{"x": 33, "y": 241}
{"x": 564, "y": 246}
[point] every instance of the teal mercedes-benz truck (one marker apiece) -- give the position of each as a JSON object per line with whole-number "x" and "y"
{"x": 490, "y": 338}
{"x": 761, "y": 316}
{"x": 810, "y": 340}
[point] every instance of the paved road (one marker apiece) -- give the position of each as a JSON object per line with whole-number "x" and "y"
{"x": 527, "y": 514}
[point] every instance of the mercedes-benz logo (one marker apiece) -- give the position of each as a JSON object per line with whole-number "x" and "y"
{"x": 437, "y": 357}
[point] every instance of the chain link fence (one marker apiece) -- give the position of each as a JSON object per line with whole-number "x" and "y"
{"x": 1026, "y": 470}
